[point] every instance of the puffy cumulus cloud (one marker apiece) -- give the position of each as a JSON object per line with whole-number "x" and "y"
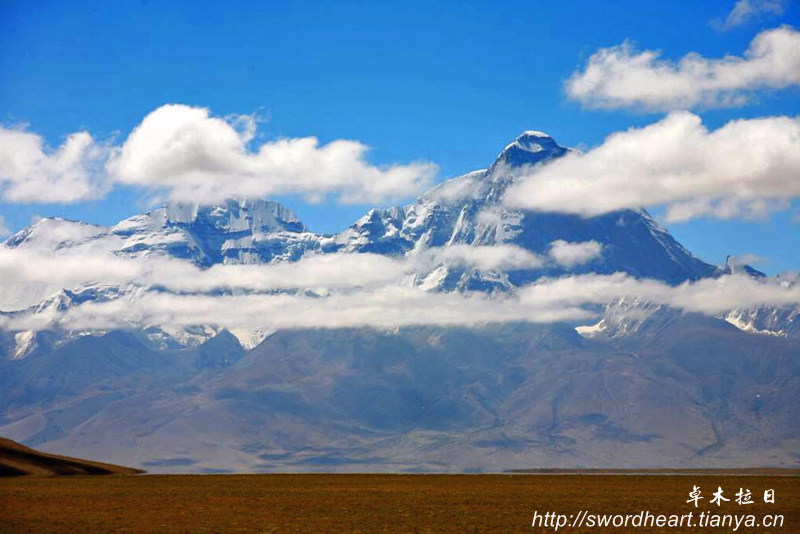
{"x": 746, "y": 10}
{"x": 30, "y": 172}
{"x": 197, "y": 157}
{"x": 570, "y": 254}
{"x": 193, "y": 156}
{"x": 746, "y": 168}
{"x": 622, "y": 77}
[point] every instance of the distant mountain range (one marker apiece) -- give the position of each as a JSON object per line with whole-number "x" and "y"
{"x": 645, "y": 386}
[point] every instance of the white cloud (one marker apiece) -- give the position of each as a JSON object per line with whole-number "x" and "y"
{"x": 550, "y": 300}
{"x": 746, "y": 10}
{"x": 27, "y": 276}
{"x": 458, "y": 189}
{"x": 30, "y": 172}
{"x": 708, "y": 296}
{"x": 51, "y": 234}
{"x": 387, "y": 307}
{"x": 745, "y": 168}
{"x": 570, "y": 254}
{"x": 484, "y": 258}
{"x": 37, "y": 271}
{"x": 18, "y": 266}
{"x": 748, "y": 259}
{"x": 198, "y": 157}
{"x": 322, "y": 272}
{"x": 193, "y": 156}
{"x": 70, "y": 270}
{"x": 347, "y": 290}
{"x": 621, "y": 77}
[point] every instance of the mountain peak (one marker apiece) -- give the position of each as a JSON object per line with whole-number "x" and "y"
{"x": 532, "y": 133}
{"x": 51, "y": 233}
{"x": 236, "y": 230}
{"x": 529, "y": 148}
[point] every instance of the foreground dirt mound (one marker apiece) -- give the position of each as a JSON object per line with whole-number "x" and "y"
{"x": 17, "y": 460}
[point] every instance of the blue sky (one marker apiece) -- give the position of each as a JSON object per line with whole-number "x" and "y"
{"x": 449, "y": 82}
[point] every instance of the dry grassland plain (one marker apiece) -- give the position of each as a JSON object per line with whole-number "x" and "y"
{"x": 368, "y": 503}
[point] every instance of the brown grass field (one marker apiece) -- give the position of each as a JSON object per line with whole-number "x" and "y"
{"x": 367, "y": 503}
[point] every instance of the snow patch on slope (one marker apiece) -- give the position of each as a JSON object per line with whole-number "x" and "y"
{"x": 744, "y": 323}
{"x": 23, "y": 342}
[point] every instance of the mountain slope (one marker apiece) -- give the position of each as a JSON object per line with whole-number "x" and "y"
{"x": 17, "y": 460}
{"x": 696, "y": 393}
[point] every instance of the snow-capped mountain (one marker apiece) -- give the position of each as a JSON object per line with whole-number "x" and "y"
{"x": 248, "y": 231}
{"x": 639, "y": 317}
{"x": 644, "y": 386}
{"x": 468, "y": 210}
{"x": 236, "y": 231}
{"x": 767, "y": 320}
{"x": 463, "y": 211}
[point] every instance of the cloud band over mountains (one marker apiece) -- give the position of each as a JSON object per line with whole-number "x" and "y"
{"x": 347, "y": 290}
{"x": 323, "y": 272}
{"x": 550, "y": 300}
